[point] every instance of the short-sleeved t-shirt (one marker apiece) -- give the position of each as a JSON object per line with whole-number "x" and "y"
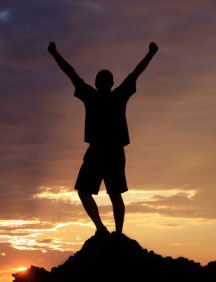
{"x": 105, "y": 120}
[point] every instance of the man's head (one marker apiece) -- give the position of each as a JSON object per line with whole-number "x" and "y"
{"x": 104, "y": 80}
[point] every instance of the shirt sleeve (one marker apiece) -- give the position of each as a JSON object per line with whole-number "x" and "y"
{"x": 128, "y": 86}
{"x": 83, "y": 90}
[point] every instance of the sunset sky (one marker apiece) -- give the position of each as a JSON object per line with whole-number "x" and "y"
{"x": 171, "y": 161}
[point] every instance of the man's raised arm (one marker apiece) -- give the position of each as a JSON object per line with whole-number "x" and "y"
{"x": 64, "y": 65}
{"x": 153, "y": 48}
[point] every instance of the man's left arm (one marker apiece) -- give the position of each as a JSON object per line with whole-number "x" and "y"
{"x": 153, "y": 48}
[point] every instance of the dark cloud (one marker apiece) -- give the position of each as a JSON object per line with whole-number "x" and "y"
{"x": 200, "y": 206}
{"x": 40, "y": 209}
{"x": 44, "y": 241}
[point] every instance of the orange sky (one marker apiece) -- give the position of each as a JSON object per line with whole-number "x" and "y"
{"x": 170, "y": 163}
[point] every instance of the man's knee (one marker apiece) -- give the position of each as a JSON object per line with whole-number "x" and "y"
{"x": 84, "y": 195}
{"x": 116, "y": 198}
{"x": 80, "y": 193}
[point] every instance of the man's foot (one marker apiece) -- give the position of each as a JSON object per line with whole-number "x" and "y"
{"x": 117, "y": 234}
{"x": 102, "y": 232}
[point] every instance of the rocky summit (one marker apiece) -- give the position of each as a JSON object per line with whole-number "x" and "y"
{"x": 116, "y": 257}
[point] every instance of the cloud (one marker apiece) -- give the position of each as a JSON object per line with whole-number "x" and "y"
{"x": 164, "y": 226}
{"x": 4, "y": 15}
{"x": 38, "y": 209}
{"x": 16, "y": 258}
{"x": 64, "y": 236}
{"x": 44, "y": 241}
{"x": 178, "y": 206}
{"x": 65, "y": 206}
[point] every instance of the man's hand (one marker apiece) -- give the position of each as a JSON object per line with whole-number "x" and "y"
{"x": 52, "y": 48}
{"x": 63, "y": 64}
{"x": 153, "y": 48}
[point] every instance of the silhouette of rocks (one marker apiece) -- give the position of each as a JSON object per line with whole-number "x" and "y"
{"x": 116, "y": 258}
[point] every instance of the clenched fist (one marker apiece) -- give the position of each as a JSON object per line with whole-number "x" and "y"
{"x": 52, "y": 47}
{"x": 153, "y": 48}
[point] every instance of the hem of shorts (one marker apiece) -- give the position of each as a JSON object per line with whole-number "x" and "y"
{"x": 117, "y": 192}
{"x": 108, "y": 143}
{"x": 89, "y": 192}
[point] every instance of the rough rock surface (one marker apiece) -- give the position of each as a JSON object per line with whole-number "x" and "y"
{"x": 117, "y": 258}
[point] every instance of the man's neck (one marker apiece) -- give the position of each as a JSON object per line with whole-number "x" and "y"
{"x": 104, "y": 91}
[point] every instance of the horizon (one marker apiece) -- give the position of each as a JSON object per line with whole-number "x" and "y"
{"x": 170, "y": 161}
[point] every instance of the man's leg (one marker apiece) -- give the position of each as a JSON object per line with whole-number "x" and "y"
{"x": 118, "y": 211}
{"x": 91, "y": 208}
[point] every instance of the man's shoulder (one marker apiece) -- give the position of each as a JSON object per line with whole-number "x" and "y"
{"x": 83, "y": 90}
{"x": 82, "y": 84}
{"x": 128, "y": 85}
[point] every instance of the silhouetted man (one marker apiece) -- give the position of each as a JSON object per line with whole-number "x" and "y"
{"x": 107, "y": 133}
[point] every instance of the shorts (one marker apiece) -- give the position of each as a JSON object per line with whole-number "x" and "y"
{"x": 102, "y": 163}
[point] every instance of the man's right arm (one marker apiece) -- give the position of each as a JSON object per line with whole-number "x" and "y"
{"x": 64, "y": 65}
{"x": 153, "y": 48}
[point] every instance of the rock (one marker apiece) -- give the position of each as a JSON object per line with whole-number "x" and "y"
{"x": 116, "y": 257}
